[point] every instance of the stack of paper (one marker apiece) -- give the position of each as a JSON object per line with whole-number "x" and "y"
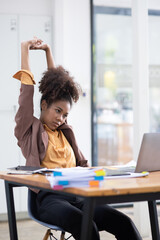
{"x": 76, "y": 177}
{"x": 86, "y": 177}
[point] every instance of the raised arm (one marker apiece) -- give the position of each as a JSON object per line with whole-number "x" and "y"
{"x": 25, "y": 47}
{"x": 24, "y": 117}
{"x": 49, "y": 57}
{"x": 47, "y": 49}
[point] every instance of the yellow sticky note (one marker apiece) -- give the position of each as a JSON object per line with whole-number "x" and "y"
{"x": 100, "y": 172}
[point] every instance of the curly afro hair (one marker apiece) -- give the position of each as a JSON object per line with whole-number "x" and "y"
{"x": 56, "y": 84}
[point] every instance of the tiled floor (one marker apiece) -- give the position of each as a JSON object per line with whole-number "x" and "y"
{"x": 30, "y": 230}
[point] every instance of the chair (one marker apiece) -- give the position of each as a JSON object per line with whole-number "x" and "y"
{"x": 32, "y": 211}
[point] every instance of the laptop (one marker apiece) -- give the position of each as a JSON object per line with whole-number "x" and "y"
{"x": 149, "y": 154}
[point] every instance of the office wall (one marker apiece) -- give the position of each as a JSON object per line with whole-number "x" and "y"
{"x": 36, "y": 7}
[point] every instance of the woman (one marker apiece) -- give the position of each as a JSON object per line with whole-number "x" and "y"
{"x": 50, "y": 142}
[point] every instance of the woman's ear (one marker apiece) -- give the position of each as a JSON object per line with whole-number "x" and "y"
{"x": 43, "y": 105}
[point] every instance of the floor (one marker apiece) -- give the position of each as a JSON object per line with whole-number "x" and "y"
{"x": 30, "y": 230}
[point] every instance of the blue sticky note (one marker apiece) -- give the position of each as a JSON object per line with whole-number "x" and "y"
{"x": 61, "y": 182}
{"x": 98, "y": 178}
{"x": 57, "y": 173}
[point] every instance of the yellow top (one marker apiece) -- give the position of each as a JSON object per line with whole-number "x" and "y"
{"x": 59, "y": 152}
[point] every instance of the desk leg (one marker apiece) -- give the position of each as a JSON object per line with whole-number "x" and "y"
{"x": 86, "y": 231}
{"x": 154, "y": 220}
{"x": 11, "y": 211}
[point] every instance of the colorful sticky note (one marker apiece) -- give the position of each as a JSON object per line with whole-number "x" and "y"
{"x": 57, "y": 187}
{"x": 99, "y": 178}
{"x": 61, "y": 182}
{"x": 94, "y": 183}
{"x": 56, "y": 173}
{"x": 100, "y": 172}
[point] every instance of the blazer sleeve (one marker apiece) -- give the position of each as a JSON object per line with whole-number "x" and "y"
{"x": 24, "y": 117}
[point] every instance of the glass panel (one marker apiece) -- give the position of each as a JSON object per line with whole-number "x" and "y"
{"x": 112, "y": 86}
{"x": 154, "y": 70}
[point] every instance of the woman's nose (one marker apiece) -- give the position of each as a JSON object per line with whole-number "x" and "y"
{"x": 60, "y": 118}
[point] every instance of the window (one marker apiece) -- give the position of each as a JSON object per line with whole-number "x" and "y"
{"x": 112, "y": 86}
{"x": 154, "y": 70}
{"x": 112, "y": 91}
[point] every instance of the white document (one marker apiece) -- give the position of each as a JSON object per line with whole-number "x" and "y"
{"x": 80, "y": 177}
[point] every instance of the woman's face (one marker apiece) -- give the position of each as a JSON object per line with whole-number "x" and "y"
{"x": 54, "y": 115}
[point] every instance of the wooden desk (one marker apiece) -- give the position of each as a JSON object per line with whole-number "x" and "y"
{"x": 113, "y": 191}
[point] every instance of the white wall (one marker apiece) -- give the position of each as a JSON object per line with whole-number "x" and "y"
{"x": 72, "y": 49}
{"x": 36, "y": 7}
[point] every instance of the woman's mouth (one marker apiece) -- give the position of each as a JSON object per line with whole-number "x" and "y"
{"x": 55, "y": 124}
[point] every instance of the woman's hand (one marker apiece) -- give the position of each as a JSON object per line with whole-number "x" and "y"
{"x": 30, "y": 43}
{"x": 40, "y": 46}
{"x": 37, "y": 44}
{"x": 34, "y": 44}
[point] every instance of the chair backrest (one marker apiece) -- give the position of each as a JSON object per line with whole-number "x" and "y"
{"x": 33, "y": 213}
{"x": 32, "y": 207}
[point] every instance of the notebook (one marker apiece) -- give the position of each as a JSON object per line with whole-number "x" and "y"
{"x": 25, "y": 170}
{"x": 149, "y": 154}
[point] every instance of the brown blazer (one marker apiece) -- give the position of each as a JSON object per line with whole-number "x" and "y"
{"x": 31, "y": 135}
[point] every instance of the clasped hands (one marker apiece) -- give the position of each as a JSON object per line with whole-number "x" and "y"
{"x": 35, "y": 44}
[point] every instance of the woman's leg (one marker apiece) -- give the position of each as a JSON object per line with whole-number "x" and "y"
{"x": 64, "y": 212}
{"x": 116, "y": 223}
